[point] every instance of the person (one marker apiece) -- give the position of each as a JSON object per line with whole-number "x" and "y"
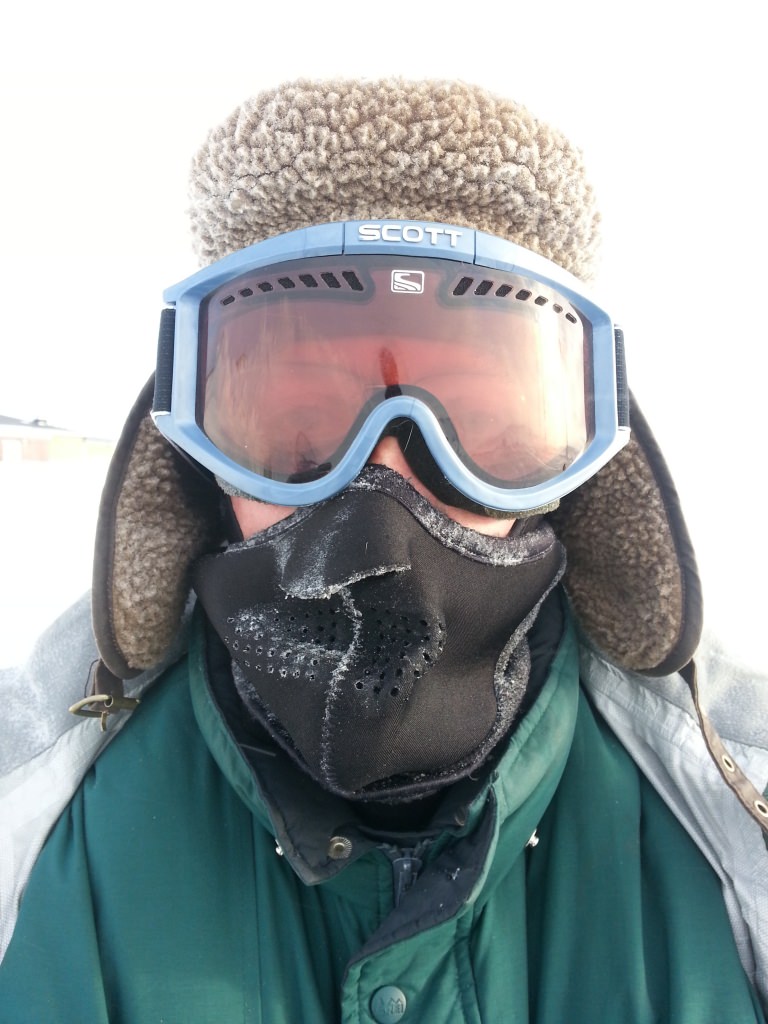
{"x": 391, "y": 676}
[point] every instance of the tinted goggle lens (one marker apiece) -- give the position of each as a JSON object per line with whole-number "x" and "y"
{"x": 294, "y": 359}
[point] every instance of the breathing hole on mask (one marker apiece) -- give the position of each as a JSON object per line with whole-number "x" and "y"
{"x": 384, "y": 652}
{"x": 399, "y": 650}
{"x": 300, "y": 643}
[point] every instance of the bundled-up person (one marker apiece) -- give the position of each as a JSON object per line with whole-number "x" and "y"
{"x": 393, "y": 643}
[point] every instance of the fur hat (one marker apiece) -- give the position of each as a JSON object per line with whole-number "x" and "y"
{"x": 314, "y": 152}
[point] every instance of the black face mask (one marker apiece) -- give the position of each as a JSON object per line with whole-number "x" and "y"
{"x": 379, "y": 642}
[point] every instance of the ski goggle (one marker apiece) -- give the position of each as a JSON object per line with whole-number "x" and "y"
{"x": 281, "y": 366}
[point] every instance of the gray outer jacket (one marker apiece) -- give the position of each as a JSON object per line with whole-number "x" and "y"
{"x": 45, "y": 752}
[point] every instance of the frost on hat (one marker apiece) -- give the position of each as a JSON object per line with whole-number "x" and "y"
{"x": 315, "y": 152}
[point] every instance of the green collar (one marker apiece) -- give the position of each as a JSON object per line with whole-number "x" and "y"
{"x": 308, "y": 822}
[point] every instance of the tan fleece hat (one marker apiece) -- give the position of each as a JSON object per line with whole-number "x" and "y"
{"x": 316, "y": 152}
{"x": 313, "y": 152}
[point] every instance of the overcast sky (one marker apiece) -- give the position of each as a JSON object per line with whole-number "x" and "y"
{"x": 103, "y": 106}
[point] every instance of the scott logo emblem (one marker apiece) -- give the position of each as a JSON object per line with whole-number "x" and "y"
{"x": 411, "y": 281}
{"x": 408, "y": 233}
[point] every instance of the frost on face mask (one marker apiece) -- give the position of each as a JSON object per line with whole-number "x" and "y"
{"x": 362, "y": 636}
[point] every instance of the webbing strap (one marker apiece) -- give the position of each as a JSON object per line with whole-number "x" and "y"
{"x": 748, "y": 795}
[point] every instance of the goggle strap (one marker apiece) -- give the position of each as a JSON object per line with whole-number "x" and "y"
{"x": 622, "y": 385}
{"x": 164, "y": 372}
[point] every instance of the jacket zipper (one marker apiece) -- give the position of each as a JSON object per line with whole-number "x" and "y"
{"x": 406, "y": 867}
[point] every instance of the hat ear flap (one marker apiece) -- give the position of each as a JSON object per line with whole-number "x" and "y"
{"x": 632, "y": 575}
{"x": 157, "y": 515}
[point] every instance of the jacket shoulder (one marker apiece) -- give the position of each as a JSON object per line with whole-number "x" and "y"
{"x": 655, "y": 720}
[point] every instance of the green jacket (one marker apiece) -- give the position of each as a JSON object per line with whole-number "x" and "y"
{"x": 160, "y": 896}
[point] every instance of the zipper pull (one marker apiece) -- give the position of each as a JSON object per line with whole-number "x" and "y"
{"x": 405, "y": 871}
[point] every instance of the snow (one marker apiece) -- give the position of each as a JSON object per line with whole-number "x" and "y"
{"x": 48, "y": 514}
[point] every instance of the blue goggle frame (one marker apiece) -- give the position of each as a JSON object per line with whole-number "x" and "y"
{"x": 176, "y": 389}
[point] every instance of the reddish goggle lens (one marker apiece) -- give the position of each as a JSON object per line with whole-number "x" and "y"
{"x": 294, "y": 358}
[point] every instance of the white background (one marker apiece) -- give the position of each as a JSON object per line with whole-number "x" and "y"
{"x": 103, "y": 106}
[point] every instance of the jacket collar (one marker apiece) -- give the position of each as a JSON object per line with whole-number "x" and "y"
{"x": 320, "y": 834}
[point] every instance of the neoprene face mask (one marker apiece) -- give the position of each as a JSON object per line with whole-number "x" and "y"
{"x": 363, "y": 639}
{"x": 281, "y": 366}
